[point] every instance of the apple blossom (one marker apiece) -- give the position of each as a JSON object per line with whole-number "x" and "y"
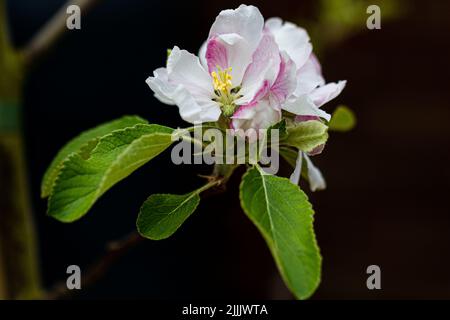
{"x": 247, "y": 71}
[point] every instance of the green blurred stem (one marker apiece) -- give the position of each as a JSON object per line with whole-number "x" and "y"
{"x": 18, "y": 252}
{"x": 19, "y": 273}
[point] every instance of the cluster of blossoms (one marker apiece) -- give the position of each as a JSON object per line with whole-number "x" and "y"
{"x": 251, "y": 73}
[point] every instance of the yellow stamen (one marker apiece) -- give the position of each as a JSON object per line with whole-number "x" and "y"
{"x": 222, "y": 81}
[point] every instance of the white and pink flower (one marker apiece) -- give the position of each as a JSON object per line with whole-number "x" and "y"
{"x": 248, "y": 70}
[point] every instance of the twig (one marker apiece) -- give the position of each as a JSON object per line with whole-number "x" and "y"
{"x": 115, "y": 250}
{"x": 51, "y": 32}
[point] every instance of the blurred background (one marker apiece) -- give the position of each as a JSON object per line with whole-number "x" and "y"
{"x": 388, "y": 179}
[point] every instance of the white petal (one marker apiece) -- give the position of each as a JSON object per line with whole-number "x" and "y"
{"x": 210, "y": 112}
{"x": 186, "y": 84}
{"x": 328, "y": 92}
{"x": 315, "y": 177}
{"x": 245, "y": 21}
{"x": 184, "y": 68}
{"x": 202, "y": 55}
{"x": 192, "y": 110}
{"x": 295, "y": 176}
{"x": 309, "y": 77}
{"x": 304, "y": 106}
{"x": 160, "y": 85}
{"x": 292, "y": 39}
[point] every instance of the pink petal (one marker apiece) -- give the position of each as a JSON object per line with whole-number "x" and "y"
{"x": 262, "y": 71}
{"x": 244, "y": 111}
{"x": 265, "y": 61}
{"x": 216, "y": 55}
{"x": 285, "y": 82}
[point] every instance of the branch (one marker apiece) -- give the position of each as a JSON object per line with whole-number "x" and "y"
{"x": 53, "y": 30}
{"x": 115, "y": 250}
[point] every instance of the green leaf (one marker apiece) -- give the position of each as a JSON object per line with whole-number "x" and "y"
{"x": 162, "y": 214}
{"x": 307, "y": 135}
{"x": 85, "y": 142}
{"x": 343, "y": 119}
{"x": 284, "y": 217}
{"x": 82, "y": 180}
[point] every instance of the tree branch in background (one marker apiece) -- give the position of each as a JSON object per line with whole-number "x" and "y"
{"x": 51, "y": 32}
{"x": 19, "y": 272}
{"x": 115, "y": 250}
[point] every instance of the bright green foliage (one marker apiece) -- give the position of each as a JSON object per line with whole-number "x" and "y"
{"x": 96, "y": 160}
{"x": 307, "y": 135}
{"x": 343, "y": 119}
{"x": 85, "y": 176}
{"x": 284, "y": 217}
{"x": 84, "y": 143}
{"x": 162, "y": 214}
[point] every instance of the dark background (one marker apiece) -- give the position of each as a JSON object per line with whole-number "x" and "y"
{"x": 388, "y": 180}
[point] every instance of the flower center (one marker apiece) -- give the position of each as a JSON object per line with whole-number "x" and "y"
{"x": 224, "y": 91}
{"x": 222, "y": 81}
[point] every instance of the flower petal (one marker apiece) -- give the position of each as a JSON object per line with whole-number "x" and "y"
{"x": 191, "y": 110}
{"x": 185, "y": 68}
{"x": 229, "y": 50}
{"x": 160, "y": 85}
{"x": 285, "y": 82}
{"x": 295, "y": 176}
{"x": 202, "y": 55}
{"x": 292, "y": 39}
{"x": 194, "y": 111}
{"x": 239, "y": 31}
{"x": 185, "y": 83}
{"x": 304, "y": 106}
{"x": 328, "y": 92}
{"x": 309, "y": 77}
{"x": 262, "y": 71}
{"x": 245, "y": 21}
{"x": 216, "y": 54}
{"x": 315, "y": 177}
{"x": 258, "y": 115}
